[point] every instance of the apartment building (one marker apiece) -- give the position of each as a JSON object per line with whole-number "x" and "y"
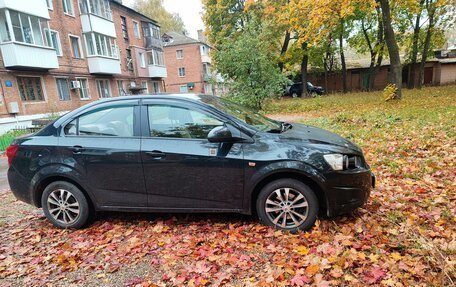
{"x": 57, "y": 55}
{"x": 189, "y": 64}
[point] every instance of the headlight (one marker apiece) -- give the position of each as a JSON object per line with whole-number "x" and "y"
{"x": 336, "y": 161}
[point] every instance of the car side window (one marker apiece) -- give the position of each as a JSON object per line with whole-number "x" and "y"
{"x": 114, "y": 121}
{"x": 178, "y": 122}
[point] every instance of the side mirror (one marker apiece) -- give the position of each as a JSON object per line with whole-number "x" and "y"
{"x": 220, "y": 134}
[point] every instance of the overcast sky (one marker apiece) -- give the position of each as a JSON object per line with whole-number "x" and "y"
{"x": 189, "y": 10}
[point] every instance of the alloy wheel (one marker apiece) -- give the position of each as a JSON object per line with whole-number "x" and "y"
{"x": 63, "y": 206}
{"x": 287, "y": 208}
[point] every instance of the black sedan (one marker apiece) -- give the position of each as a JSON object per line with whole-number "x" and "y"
{"x": 295, "y": 90}
{"x": 186, "y": 153}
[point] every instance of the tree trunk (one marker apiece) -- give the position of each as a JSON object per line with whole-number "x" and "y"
{"x": 304, "y": 61}
{"x": 342, "y": 57}
{"x": 395, "y": 75}
{"x": 285, "y": 44}
{"x": 427, "y": 43}
{"x": 414, "y": 56}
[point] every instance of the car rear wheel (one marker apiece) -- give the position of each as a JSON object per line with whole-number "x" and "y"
{"x": 65, "y": 205}
{"x": 287, "y": 204}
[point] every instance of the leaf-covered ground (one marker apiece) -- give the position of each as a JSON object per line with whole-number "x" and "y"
{"x": 404, "y": 236}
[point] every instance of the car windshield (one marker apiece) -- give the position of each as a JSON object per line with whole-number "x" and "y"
{"x": 250, "y": 117}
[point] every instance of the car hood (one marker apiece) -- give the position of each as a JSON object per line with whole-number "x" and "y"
{"x": 316, "y": 136}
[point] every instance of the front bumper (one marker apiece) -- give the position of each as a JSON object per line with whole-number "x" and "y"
{"x": 347, "y": 190}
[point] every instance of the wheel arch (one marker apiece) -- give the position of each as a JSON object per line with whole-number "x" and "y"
{"x": 43, "y": 183}
{"x": 291, "y": 174}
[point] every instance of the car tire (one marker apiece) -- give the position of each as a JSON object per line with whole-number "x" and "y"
{"x": 287, "y": 204}
{"x": 65, "y": 205}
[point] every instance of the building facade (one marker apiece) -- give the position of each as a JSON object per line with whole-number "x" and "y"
{"x": 57, "y": 55}
{"x": 189, "y": 64}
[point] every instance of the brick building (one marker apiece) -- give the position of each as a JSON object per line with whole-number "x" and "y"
{"x": 188, "y": 62}
{"x": 57, "y": 55}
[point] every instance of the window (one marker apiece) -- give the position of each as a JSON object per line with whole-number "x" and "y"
{"x": 63, "y": 89}
{"x": 49, "y": 4}
{"x": 136, "y": 30}
{"x": 55, "y": 40}
{"x": 4, "y": 27}
{"x": 156, "y": 58}
{"x": 28, "y": 29}
{"x": 98, "y": 7}
{"x": 182, "y": 72}
{"x": 206, "y": 69}
{"x": 84, "y": 90}
{"x": 183, "y": 89}
{"x": 68, "y": 7}
{"x": 111, "y": 122}
{"x": 75, "y": 47}
{"x": 180, "y": 54}
{"x": 156, "y": 87}
{"x": 204, "y": 50}
{"x": 142, "y": 60}
{"x": 129, "y": 60}
{"x": 30, "y": 88}
{"x": 123, "y": 24}
{"x": 101, "y": 45}
{"x": 177, "y": 122}
{"x": 104, "y": 89}
{"x": 121, "y": 88}
{"x": 145, "y": 87}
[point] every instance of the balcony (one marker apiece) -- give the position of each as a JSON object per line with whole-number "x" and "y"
{"x": 205, "y": 58}
{"x": 157, "y": 71}
{"x": 35, "y": 7}
{"x": 97, "y": 24}
{"x": 152, "y": 42}
{"x": 103, "y": 65}
{"x": 19, "y": 55}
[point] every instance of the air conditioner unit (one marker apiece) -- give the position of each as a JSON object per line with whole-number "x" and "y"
{"x": 75, "y": 85}
{"x": 13, "y": 108}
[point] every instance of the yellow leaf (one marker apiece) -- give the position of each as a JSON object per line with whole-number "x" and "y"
{"x": 396, "y": 256}
{"x": 302, "y": 250}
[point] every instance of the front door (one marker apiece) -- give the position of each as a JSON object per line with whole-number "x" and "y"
{"x": 182, "y": 169}
{"x": 103, "y": 146}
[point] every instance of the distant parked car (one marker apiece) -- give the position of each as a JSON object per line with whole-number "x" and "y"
{"x": 295, "y": 90}
{"x": 186, "y": 153}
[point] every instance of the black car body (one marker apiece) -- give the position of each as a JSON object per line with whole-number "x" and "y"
{"x": 295, "y": 90}
{"x": 174, "y": 153}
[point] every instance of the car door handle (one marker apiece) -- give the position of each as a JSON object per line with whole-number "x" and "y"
{"x": 77, "y": 149}
{"x": 156, "y": 154}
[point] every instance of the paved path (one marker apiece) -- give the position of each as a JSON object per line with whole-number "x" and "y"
{"x": 3, "y": 177}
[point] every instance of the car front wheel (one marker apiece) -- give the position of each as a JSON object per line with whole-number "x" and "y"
{"x": 65, "y": 205}
{"x": 287, "y": 204}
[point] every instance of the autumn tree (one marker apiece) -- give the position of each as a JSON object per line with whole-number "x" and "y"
{"x": 249, "y": 65}
{"x": 395, "y": 75}
{"x": 155, "y": 10}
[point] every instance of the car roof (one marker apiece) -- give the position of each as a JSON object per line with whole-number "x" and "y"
{"x": 187, "y": 96}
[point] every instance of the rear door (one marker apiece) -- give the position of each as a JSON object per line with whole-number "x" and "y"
{"x": 182, "y": 169}
{"x": 103, "y": 146}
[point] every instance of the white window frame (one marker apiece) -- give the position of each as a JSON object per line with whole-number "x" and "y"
{"x": 58, "y": 42}
{"x": 109, "y": 43}
{"x": 49, "y": 4}
{"x": 43, "y": 31}
{"x": 58, "y": 91}
{"x": 81, "y": 53}
{"x": 108, "y": 86}
{"x": 136, "y": 29}
{"x": 87, "y": 97}
{"x": 142, "y": 60}
{"x": 182, "y": 75}
{"x": 121, "y": 88}
{"x": 65, "y": 6}
{"x": 146, "y": 86}
{"x": 158, "y": 90}
{"x": 181, "y": 56}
